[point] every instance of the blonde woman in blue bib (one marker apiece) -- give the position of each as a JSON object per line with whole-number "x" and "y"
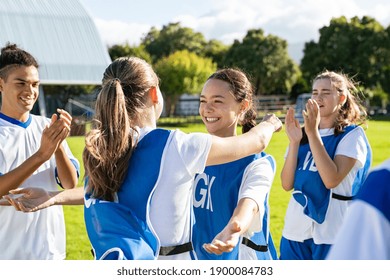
{"x": 326, "y": 163}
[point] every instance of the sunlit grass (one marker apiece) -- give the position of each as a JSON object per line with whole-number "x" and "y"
{"x": 78, "y": 247}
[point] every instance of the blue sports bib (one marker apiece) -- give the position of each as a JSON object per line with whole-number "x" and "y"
{"x": 309, "y": 189}
{"x": 120, "y": 229}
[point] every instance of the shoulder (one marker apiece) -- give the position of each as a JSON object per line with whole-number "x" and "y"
{"x": 376, "y": 190}
{"x": 262, "y": 164}
{"x": 191, "y": 139}
{"x": 355, "y": 131}
{"x": 355, "y": 135}
{"x": 39, "y": 119}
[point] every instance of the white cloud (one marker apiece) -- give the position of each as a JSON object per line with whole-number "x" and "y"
{"x": 119, "y": 32}
{"x": 226, "y": 20}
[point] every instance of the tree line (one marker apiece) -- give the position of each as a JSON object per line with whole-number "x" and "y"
{"x": 183, "y": 58}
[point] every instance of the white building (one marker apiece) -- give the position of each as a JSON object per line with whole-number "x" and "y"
{"x": 60, "y": 35}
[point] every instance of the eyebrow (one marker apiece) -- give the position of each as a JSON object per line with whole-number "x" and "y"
{"x": 213, "y": 96}
{"x": 25, "y": 81}
{"x": 322, "y": 89}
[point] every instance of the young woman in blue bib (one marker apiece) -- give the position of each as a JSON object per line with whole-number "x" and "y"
{"x": 231, "y": 209}
{"x": 326, "y": 163}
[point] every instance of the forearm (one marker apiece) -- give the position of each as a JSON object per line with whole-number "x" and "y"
{"x": 68, "y": 197}
{"x": 288, "y": 171}
{"x": 232, "y": 148}
{"x": 66, "y": 170}
{"x": 17, "y": 176}
{"x": 324, "y": 163}
{"x": 243, "y": 214}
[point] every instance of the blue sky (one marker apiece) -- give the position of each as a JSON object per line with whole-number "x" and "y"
{"x": 296, "y": 21}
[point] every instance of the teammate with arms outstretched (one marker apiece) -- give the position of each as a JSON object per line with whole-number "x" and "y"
{"x": 231, "y": 206}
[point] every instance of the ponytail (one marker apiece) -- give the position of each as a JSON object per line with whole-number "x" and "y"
{"x": 108, "y": 146}
{"x": 249, "y": 119}
{"x": 110, "y": 143}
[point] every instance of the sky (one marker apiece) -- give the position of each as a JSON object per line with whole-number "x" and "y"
{"x": 296, "y": 21}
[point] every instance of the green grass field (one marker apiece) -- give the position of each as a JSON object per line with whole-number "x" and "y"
{"x": 78, "y": 247}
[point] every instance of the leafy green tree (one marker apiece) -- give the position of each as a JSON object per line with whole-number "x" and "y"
{"x": 358, "y": 47}
{"x": 116, "y": 51}
{"x": 171, "y": 38}
{"x": 266, "y": 60}
{"x": 216, "y": 50}
{"x": 182, "y": 72}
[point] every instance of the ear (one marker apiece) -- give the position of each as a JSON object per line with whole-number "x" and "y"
{"x": 153, "y": 95}
{"x": 1, "y": 84}
{"x": 244, "y": 105}
{"x": 343, "y": 98}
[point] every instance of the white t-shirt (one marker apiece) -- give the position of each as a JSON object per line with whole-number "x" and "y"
{"x": 184, "y": 156}
{"x": 298, "y": 226}
{"x": 256, "y": 184}
{"x": 30, "y": 236}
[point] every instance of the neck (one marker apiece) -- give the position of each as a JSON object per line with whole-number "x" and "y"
{"x": 20, "y": 117}
{"x": 327, "y": 123}
{"x": 147, "y": 118}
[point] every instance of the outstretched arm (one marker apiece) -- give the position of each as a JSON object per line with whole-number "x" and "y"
{"x": 226, "y": 149}
{"x": 227, "y": 239}
{"x": 34, "y": 199}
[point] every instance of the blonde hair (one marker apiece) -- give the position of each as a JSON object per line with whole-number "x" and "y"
{"x": 352, "y": 111}
{"x": 111, "y": 141}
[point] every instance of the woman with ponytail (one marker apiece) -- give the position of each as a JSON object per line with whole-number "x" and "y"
{"x": 231, "y": 199}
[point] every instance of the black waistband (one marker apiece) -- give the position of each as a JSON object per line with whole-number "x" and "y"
{"x": 174, "y": 250}
{"x": 254, "y": 246}
{"x": 341, "y": 197}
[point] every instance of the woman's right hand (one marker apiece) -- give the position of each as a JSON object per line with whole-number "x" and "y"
{"x": 293, "y": 128}
{"x": 274, "y": 120}
{"x": 30, "y": 199}
{"x": 54, "y": 134}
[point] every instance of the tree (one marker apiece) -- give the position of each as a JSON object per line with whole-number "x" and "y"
{"x": 182, "y": 72}
{"x": 216, "y": 50}
{"x": 266, "y": 60}
{"x": 358, "y": 47}
{"x": 116, "y": 51}
{"x": 171, "y": 38}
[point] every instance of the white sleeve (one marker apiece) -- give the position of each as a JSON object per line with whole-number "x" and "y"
{"x": 364, "y": 235}
{"x": 193, "y": 149}
{"x": 256, "y": 184}
{"x": 358, "y": 150}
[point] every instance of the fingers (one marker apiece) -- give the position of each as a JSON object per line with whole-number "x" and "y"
{"x": 12, "y": 202}
{"x": 218, "y": 247}
{"x": 297, "y": 124}
{"x": 56, "y": 132}
{"x": 18, "y": 203}
{"x": 65, "y": 117}
{"x": 18, "y": 191}
{"x": 273, "y": 119}
{"x": 4, "y": 202}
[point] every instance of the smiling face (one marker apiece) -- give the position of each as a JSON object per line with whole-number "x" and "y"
{"x": 218, "y": 108}
{"x": 19, "y": 92}
{"x": 328, "y": 99}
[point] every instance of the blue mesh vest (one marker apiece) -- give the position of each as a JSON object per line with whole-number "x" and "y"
{"x": 309, "y": 189}
{"x": 215, "y": 198}
{"x": 121, "y": 229}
